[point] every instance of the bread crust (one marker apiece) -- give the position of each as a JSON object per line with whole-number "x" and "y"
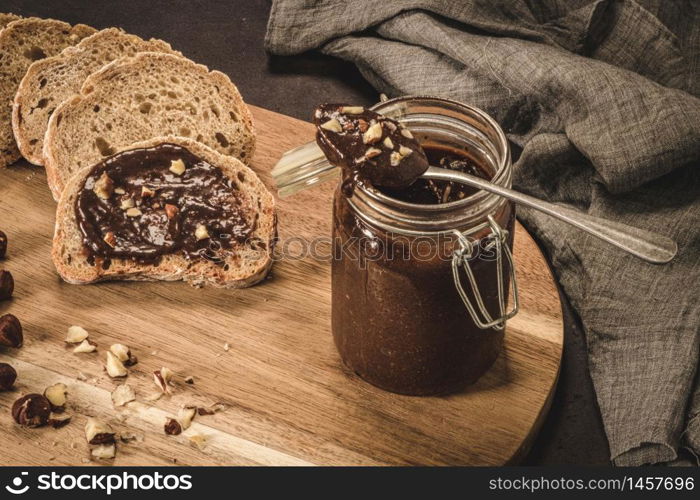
{"x": 63, "y": 149}
{"x": 72, "y": 265}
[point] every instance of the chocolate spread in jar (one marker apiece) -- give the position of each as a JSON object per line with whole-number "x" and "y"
{"x": 368, "y": 147}
{"x": 397, "y": 319}
{"x": 146, "y": 203}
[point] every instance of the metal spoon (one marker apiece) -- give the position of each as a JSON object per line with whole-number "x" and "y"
{"x": 646, "y": 245}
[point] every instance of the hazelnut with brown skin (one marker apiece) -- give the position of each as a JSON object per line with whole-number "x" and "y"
{"x": 3, "y": 245}
{"x": 8, "y": 375}
{"x": 32, "y": 410}
{"x": 10, "y": 331}
{"x": 172, "y": 427}
{"x": 7, "y": 285}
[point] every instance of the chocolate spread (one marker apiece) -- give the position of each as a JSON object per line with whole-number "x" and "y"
{"x": 368, "y": 147}
{"x": 397, "y": 319}
{"x": 146, "y": 203}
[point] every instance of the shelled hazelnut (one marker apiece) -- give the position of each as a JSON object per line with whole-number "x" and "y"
{"x": 3, "y": 245}
{"x": 32, "y": 410}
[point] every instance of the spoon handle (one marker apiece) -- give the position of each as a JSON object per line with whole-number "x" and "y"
{"x": 644, "y": 244}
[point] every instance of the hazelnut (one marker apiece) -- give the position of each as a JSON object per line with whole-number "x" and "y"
{"x": 185, "y": 416}
{"x": 110, "y": 239}
{"x": 395, "y": 158}
{"x": 57, "y": 420}
{"x": 98, "y": 432}
{"x": 115, "y": 368}
{"x": 404, "y": 151}
{"x": 388, "y": 144}
{"x": 199, "y": 440}
{"x": 162, "y": 379}
{"x": 122, "y": 395}
{"x": 211, "y": 410}
{"x": 7, "y": 285}
{"x": 104, "y": 187}
{"x": 57, "y": 396}
{"x": 389, "y": 125}
{"x": 119, "y": 191}
{"x": 123, "y": 353}
{"x": 127, "y": 203}
{"x": 32, "y": 410}
{"x": 189, "y": 380}
{"x": 362, "y": 125}
{"x": 373, "y": 134}
{"x": 8, "y": 375}
{"x": 76, "y": 334}
{"x": 406, "y": 133}
{"x": 372, "y": 152}
{"x": 201, "y": 232}
{"x": 146, "y": 192}
{"x": 172, "y": 427}
{"x": 171, "y": 210}
{"x": 10, "y": 331}
{"x": 85, "y": 346}
{"x": 104, "y": 451}
{"x": 3, "y": 245}
{"x": 133, "y": 212}
{"x": 352, "y": 110}
{"x": 177, "y": 167}
{"x": 333, "y": 125}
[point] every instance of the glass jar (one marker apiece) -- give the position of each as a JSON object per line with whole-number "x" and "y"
{"x": 420, "y": 291}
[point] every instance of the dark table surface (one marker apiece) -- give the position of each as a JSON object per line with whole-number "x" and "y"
{"x": 228, "y": 35}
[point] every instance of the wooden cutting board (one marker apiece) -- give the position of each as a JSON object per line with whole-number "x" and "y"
{"x": 288, "y": 398}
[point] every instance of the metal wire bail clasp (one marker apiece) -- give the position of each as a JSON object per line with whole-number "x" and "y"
{"x": 495, "y": 240}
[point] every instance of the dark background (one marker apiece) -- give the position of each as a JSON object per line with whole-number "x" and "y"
{"x": 227, "y": 35}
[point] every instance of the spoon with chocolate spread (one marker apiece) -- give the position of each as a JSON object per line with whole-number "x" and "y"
{"x": 368, "y": 147}
{"x": 372, "y": 148}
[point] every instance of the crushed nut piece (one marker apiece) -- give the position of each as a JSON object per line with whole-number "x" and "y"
{"x": 373, "y": 134}
{"x": 123, "y": 353}
{"x": 115, "y": 368}
{"x": 162, "y": 379}
{"x": 98, "y": 432}
{"x": 104, "y": 451}
{"x": 227, "y": 346}
{"x": 201, "y": 232}
{"x": 133, "y": 212}
{"x": 333, "y": 125}
{"x": 185, "y": 416}
{"x": 372, "y": 152}
{"x": 57, "y": 395}
{"x": 395, "y": 159}
{"x": 404, "y": 151}
{"x": 123, "y": 394}
{"x": 110, "y": 239}
{"x": 171, "y": 210}
{"x": 85, "y": 346}
{"x": 127, "y": 204}
{"x": 387, "y": 143}
{"x": 406, "y": 133}
{"x": 352, "y": 110}
{"x": 58, "y": 420}
{"x": 199, "y": 440}
{"x": 146, "y": 192}
{"x": 172, "y": 427}
{"x": 119, "y": 191}
{"x": 189, "y": 379}
{"x": 177, "y": 167}
{"x": 76, "y": 334}
{"x": 104, "y": 187}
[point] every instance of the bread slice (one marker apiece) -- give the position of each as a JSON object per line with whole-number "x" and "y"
{"x": 21, "y": 43}
{"x": 137, "y": 98}
{"x": 247, "y": 268}
{"x": 51, "y": 81}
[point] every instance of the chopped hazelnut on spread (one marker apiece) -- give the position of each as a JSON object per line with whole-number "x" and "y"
{"x": 333, "y": 125}
{"x": 133, "y": 212}
{"x": 110, "y": 239}
{"x": 177, "y": 167}
{"x": 104, "y": 187}
{"x": 201, "y": 232}
{"x": 373, "y": 134}
{"x": 127, "y": 204}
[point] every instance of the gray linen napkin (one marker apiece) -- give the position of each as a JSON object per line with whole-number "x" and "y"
{"x": 600, "y": 99}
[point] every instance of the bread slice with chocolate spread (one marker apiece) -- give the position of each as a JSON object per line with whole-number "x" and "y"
{"x": 136, "y": 98}
{"x": 173, "y": 235}
{"x": 48, "y": 82}
{"x": 22, "y": 42}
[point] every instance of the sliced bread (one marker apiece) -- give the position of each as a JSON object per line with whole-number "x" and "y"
{"x": 140, "y": 97}
{"x": 248, "y": 266}
{"x": 21, "y": 43}
{"x": 51, "y": 81}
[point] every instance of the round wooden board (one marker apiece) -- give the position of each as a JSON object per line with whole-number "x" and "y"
{"x": 289, "y": 399}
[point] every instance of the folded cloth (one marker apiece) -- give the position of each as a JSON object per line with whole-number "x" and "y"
{"x": 600, "y": 101}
